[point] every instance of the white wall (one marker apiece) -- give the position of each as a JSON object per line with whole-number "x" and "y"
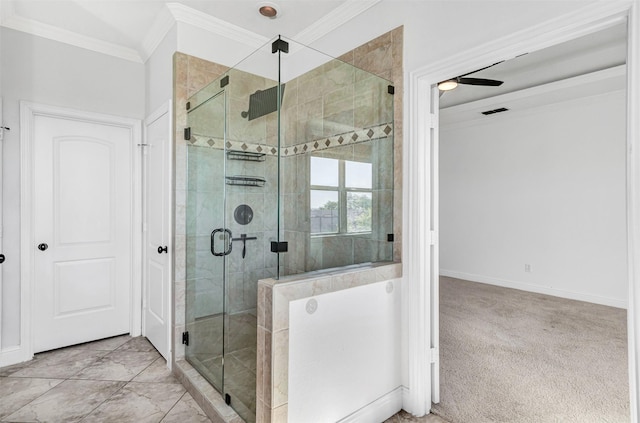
{"x": 544, "y": 187}
{"x": 224, "y": 51}
{"x": 49, "y": 72}
{"x": 346, "y": 355}
{"x": 159, "y": 72}
{"x": 437, "y": 29}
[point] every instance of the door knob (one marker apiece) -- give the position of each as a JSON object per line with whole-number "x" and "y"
{"x": 162, "y": 249}
{"x": 42, "y": 246}
{"x": 1, "y": 258}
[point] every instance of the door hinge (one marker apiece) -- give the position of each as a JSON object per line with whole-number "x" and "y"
{"x": 434, "y": 355}
{"x": 185, "y": 338}
{"x": 433, "y": 120}
{"x": 227, "y": 399}
{"x": 187, "y": 134}
{"x": 279, "y": 247}
{"x": 433, "y": 237}
{"x": 2, "y": 129}
{"x": 144, "y": 227}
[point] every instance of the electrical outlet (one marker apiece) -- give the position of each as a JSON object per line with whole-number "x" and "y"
{"x": 527, "y": 268}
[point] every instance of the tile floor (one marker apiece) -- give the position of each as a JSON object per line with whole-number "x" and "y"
{"x": 404, "y": 417}
{"x": 119, "y": 379}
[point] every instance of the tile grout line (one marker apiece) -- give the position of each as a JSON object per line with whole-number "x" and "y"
{"x": 95, "y": 357}
{"x": 63, "y": 380}
{"x": 110, "y": 396}
{"x": 173, "y": 406}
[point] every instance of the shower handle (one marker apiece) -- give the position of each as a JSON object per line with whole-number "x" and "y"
{"x": 226, "y": 233}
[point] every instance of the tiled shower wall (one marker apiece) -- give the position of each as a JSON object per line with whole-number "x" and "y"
{"x": 335, "y": 99}
{"x": 302, "y": 109}
{"x": 190, "y": 76}
{"x": 208, "y": 197}
{"x": 382, "y": 56}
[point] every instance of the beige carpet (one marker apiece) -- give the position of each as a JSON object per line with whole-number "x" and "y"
{"x": 514, "y": 356}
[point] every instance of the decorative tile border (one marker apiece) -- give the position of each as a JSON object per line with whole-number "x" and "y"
{"x": 353, "y": 137}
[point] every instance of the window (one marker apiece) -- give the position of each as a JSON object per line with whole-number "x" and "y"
{"x": 340, "y": 196}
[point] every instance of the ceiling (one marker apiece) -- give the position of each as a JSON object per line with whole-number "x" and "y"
{"x": 593, "y": 52}
{"x": 132, "y": 29}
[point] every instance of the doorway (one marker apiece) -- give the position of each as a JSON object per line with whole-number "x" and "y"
{"x": 532, "y": 197}
{"x": 421, "y": 164}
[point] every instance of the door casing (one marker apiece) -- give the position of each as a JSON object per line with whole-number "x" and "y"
{"x": 28, "y": 112}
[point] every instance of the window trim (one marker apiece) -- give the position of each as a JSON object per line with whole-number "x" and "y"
{"x": 342, "y": 191}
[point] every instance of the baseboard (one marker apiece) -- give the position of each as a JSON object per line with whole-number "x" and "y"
{"x": 580, "y": 296}
{"x": 13, "y": 355}
{"x": 379, "y": 410}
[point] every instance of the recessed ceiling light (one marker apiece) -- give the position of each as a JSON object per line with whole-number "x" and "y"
{"x": 268, "y": 10}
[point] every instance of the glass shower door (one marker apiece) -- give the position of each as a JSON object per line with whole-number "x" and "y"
{"x": 227, "y": 242}
{"x": 206, "y": 240}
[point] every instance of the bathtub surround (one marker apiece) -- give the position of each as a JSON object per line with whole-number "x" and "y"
{"x": 382, "y": 56}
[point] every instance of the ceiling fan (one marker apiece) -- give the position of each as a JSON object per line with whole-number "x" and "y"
{"x": 452, "y": 83}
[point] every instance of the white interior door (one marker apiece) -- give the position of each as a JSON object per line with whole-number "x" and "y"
{"x": 157, "y": 227}
{"x": 82, "y": 223}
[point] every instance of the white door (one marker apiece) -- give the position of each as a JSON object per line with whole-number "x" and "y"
{"x": 82, "y": 224}
{"x": 157, "y": 226}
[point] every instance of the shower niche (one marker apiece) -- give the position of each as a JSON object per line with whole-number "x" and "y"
{"x": 279, "y": 182}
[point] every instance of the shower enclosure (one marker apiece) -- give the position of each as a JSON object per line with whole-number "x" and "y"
{"x": 290, "y": 170}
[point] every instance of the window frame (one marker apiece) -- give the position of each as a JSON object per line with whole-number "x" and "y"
{"x": 342, "y": 191}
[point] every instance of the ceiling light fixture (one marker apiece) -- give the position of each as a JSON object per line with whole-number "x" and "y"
{"x": 447, "y": 85}
{"x": 268, "y": 10}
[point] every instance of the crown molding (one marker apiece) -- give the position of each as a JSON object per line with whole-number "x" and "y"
{"x": 159, "y": 29}
{"x": 187, "y": 15}
{"x": 166, "y": 19}
{"x": 9, "y": 19}
{"x": 334, "y": 19}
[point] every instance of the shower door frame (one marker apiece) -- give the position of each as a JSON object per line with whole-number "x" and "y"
{"x": 218, "y": 387}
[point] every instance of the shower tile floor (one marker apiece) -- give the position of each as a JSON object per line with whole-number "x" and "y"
{"x": 121, "y": 379}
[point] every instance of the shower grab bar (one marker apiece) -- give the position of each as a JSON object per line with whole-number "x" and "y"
{"x": 213, "y": 247}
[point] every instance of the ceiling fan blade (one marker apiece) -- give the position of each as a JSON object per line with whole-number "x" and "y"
{"x": 480, "y": 81}
{"x": 481, "y": 69}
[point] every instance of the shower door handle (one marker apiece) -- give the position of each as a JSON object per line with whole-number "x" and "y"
{"x": 226, "y": 233}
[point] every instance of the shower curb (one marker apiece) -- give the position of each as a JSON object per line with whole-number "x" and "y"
{"x": 204, "y": 394}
